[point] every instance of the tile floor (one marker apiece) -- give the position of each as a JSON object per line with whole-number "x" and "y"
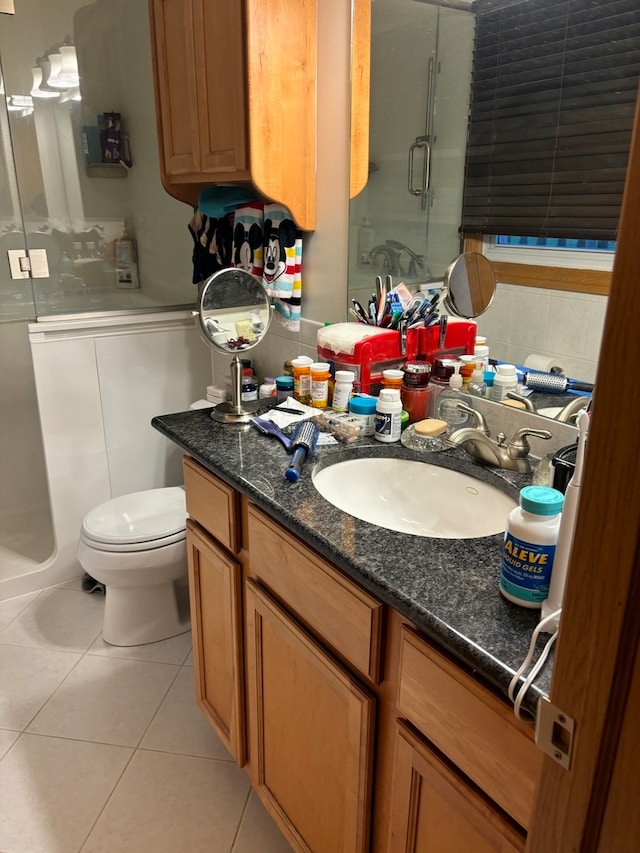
{"x": 103, "y": 749}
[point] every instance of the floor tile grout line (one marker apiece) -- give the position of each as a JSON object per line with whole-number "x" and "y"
{"x": 241, "y": 820}
{"x": 108, "y": 798}
{"x": 11, "y": 621}
{"x": 53, "y": 692}
{"x": 161, "y": 703}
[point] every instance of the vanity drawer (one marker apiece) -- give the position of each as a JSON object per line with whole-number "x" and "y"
{"x": 342, "y": 615}
{"x": 213, "y": 504}
{"x": 470, "y": 725}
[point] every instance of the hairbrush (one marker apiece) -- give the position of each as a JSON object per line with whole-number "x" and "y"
{"x": 303, "y": 443}
{"x": 556, "y": 383}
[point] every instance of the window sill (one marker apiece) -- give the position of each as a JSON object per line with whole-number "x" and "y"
{"x": 550, "y": 277}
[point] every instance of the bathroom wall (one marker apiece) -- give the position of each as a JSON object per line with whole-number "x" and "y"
{"x": 568, "y": 326}
{"x": 99, "y": 383}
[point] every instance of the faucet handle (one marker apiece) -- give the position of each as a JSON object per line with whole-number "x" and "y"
{"x": 519, "y": 446}
{"x": 478, "y": 418}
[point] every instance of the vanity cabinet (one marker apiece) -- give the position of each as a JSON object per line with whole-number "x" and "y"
{"x": 215, "y": 593}
{"x": 228, "y": 86}
{"x": 435, "y": 809}
{"x": 357, "y": 734}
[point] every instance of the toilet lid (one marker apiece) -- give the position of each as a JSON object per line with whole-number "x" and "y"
{"x": 138, "y": 517}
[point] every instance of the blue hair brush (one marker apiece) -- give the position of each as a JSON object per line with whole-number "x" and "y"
{"x": 303, "y": 443}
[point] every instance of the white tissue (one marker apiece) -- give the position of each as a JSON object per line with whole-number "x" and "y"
{"x": 542, "y": 362}
{"x": 285, "y": 419}
{"x": 343, "y": 337}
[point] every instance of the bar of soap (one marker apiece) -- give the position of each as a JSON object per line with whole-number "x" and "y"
{"x": 430, "y": 426}
{"x": 515, "y": 404}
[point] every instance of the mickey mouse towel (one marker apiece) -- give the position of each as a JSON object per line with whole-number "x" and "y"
{"x": 282, "y": 262}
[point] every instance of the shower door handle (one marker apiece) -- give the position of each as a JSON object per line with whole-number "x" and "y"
{"x": 423, "y": 143}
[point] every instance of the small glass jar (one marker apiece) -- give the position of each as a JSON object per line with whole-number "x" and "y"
{"x": 249, "y": 388}
{"x": 415, "y": 401}
{"x": 416, "y": 373}
{"x": 320, "y": 374}
{"x": 284, "y": 388}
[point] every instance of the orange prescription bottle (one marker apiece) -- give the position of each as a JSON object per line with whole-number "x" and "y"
{"x": 392, "y": 379}
{"x": 302, "y": 378}
{"x": 320, "y": 384}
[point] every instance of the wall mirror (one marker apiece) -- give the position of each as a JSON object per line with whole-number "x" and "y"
{"x": 234, "y": 315}
{"x": 55, "y": 193}
{"x": 405, "y": 221}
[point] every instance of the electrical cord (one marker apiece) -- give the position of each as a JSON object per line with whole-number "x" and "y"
{"x": 517, "y": 698}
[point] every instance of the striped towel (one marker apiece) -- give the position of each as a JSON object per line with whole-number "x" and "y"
{"x": 248, "y": 238}
{"x": 281, "y": 272}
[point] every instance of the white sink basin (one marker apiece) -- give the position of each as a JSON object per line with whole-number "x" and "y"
{"x": 414, "y": 497}
{"x": 550, "y": 411}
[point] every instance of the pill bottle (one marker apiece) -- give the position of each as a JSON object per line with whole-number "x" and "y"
{"x": 320, "y": 384}
{"x": 481, "y": 353}
{"x": 284, "y": 388}
{"x": 268, "y": 388}
{"x": 249, "y": 388}
{"x": 342, "y": 390}
{"x": 530, "y": 546}
{"x": 392, "y": 378}
{"x": 469, "y": 364}
{"x": 302, "y": 378}
{"x": 363, "y": 407}
{"x": 388, "y": 424}
{"x": 505, "y": 379}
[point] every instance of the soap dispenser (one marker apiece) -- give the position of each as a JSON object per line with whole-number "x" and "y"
{"x": 366, "y": 242}
{"x": 448, "y": 402}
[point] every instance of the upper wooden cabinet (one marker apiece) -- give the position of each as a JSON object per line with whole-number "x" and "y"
{"x": 235, "y": 86}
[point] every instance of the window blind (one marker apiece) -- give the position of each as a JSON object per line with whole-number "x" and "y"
{"x": 553, "y": 97}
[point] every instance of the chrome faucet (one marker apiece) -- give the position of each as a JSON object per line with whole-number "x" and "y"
{"x": 566, "y": 415}
{"x": 391, "y": 261}
{"x": 512, "y": 455}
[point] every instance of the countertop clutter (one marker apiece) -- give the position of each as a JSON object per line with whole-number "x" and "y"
{"x": 447, "y": 587}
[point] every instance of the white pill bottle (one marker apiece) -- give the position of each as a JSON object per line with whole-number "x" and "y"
{"x": 530, "y": 546}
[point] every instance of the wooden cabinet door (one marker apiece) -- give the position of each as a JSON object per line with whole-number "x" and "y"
{"x": 311, "y": 728}
{"x": 221, "y": 70}
{"x": 215, "y": 590}
{"x": 434, "y": 810}
{"x": 174, "y": 49}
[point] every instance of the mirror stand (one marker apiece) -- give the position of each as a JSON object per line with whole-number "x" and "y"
{"x": 233, "y": 299}
{"x": 236, "y": 411}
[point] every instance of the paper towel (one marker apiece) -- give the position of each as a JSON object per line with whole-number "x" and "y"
{"x": 542, "y": 362}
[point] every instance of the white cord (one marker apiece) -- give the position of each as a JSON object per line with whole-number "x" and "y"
{"x": 532, "y": 676}
{"x": 517, "y": 699}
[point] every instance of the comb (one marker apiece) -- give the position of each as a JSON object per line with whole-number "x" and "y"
{"x": 268, "y": 428}
{"x": 303, "y": 443}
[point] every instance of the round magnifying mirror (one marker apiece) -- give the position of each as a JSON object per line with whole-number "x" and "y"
{"x": 234, "y": 314}
{"x": 470, "y": 285}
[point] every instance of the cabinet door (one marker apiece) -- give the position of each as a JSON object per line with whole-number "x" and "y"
{"x": 173, "y": 34}
{"x": 311, "y": 730}
{"x": 215, "y": 589}
{"x": 434, "y": 810}
{"x": 221, "y": 70}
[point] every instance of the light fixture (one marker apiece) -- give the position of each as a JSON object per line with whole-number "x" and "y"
{"x": 22, "y": 104}
{"x": 36, "y": 90}
{"x": 64, "y": 68}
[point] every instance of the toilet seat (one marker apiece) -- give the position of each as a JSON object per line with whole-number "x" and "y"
{"x": 138, "y": 521}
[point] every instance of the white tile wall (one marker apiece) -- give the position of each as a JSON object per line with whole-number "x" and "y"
{"x": 526, "y": 320}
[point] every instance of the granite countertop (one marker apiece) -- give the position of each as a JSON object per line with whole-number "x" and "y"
{"x": 447, "y": 587}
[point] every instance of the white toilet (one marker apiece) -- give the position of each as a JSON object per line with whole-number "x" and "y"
{"x": 136, "y": 546}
